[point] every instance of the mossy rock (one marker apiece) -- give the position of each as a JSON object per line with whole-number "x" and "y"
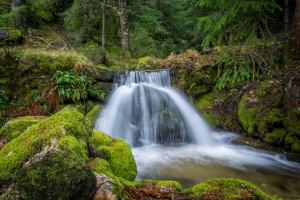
{"x": 94, "y": 113}
{"x": 16, "y": 127}
{"x": 101, "y": 166}
{"x": 247, "y": 116}
{"x": 90, "y": 105}
{"x": 98, "y": 95}
{"x": 160, "y": 184}
{"x": 275, "y": 116}
{"x": 276, "y": 137}
{"x": 99, "y": 138}
{"x": 121, "y": 159}
{"x": 67, "y": 122}
{"x": 74, "y": 147}
{"x": 15, "y": 37}
{"x": 228, "y": 188}
{"x": 56, "y": 176}
{"x": 104, "y": 74}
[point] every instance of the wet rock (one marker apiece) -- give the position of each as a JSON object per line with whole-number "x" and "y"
{"x": 104, "y": 74}
{"x": 104, "y": 188}
{"x": 254, "y": 143}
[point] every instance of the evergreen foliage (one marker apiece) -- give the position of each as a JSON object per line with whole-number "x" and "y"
{"x": 233, "y": 22}
{"x": 238, "y": 26}
{"x": 162, "y": 27}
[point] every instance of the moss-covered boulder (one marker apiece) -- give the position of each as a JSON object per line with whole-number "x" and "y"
{"x": 248, "y": 115}
{"x": 16, "y": 127}
{"x": 67, "y": 122}
{"x": 94, "y": 113}
{"x": 103, "y": 74}
{"x": 15, "y": 37}
{"x": 227, "y": 188}
{"x": 117, "y": 153}
{"x": 56, "y": 176}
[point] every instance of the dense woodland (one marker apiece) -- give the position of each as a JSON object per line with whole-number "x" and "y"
{"x": 239, "y": 61}
{"x": 251, "y": 38}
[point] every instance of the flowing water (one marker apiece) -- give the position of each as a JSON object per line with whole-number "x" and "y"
{"x": 170, "y": 140}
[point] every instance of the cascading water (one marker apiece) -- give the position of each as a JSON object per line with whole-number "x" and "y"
{"x": 165, "y": 131}
{"x": 148, "y": 110}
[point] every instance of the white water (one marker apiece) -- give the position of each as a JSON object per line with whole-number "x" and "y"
{"x": 165, "y": 130}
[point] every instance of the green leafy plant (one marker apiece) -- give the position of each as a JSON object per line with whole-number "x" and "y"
{"x": 102, "y": 95}
{"x": 4, "y": 100}
{"x": 65, "y": 83}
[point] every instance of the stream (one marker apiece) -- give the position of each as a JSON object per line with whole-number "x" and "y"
{"x": 171, "y": 141}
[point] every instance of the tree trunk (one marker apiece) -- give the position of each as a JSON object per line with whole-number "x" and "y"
{"x": 124, "y": 25}
{"x": 86, "y": 19}
{"x": 286, "y": 49}
{"x": 295, "y": 39}
{"x": 22, "y": 21}
{"x": 104, "y": 26}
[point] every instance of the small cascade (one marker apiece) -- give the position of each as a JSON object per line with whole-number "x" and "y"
{"x": 154, "y": 118}
{"x": 145, "y": 109}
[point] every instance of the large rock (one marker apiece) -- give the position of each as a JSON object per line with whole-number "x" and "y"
{"x": 67, "y": 122}
{"x": 56, "y": 176}
{"x": 116, "y": 152}
{"x": 16, "y": 127}
{"x": 227, "y": 188}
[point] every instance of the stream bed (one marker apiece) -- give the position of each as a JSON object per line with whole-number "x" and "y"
{"x": 188, "y": 166}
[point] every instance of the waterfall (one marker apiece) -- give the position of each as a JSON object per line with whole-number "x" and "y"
{"x": 144, "y": 109}
{"x": 152, "y": 116}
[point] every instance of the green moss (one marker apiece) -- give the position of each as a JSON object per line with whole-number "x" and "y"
{"x": 14, "y": 36}
{"x": 104, "y": 152}
{"x": 122, "y": 161}
{"x": 275, "y": 116}
{"x": 45, "y": 15}
{"x": 295, "y": 146}
{"x": 276, "y": 137}
{"x": 74, "y": 147}
{"x": 79, "y": 106}
{"x": 159, "y": 184}
{"x": 172, "y": 184}
{"x": 101, "y": 166}
{"x": 205, "y": 103}
{"x": 228, "y": 188}
{"x": 90, "y": 105}
{"x": 16, "y": 127}
{"x": 247, "y": 116}
{"x": 54, "y": 64}
{"x": 292, "y": 143}
{"x": 99, "y": 138}
{"x": 206, "y": 100}
{"x": 93, "y": 114}
{"x": 120, "y": 155}
{"x": 263, "y": 88}
{"x": 56, "y": 176}
{"x": 66, "y": 122}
